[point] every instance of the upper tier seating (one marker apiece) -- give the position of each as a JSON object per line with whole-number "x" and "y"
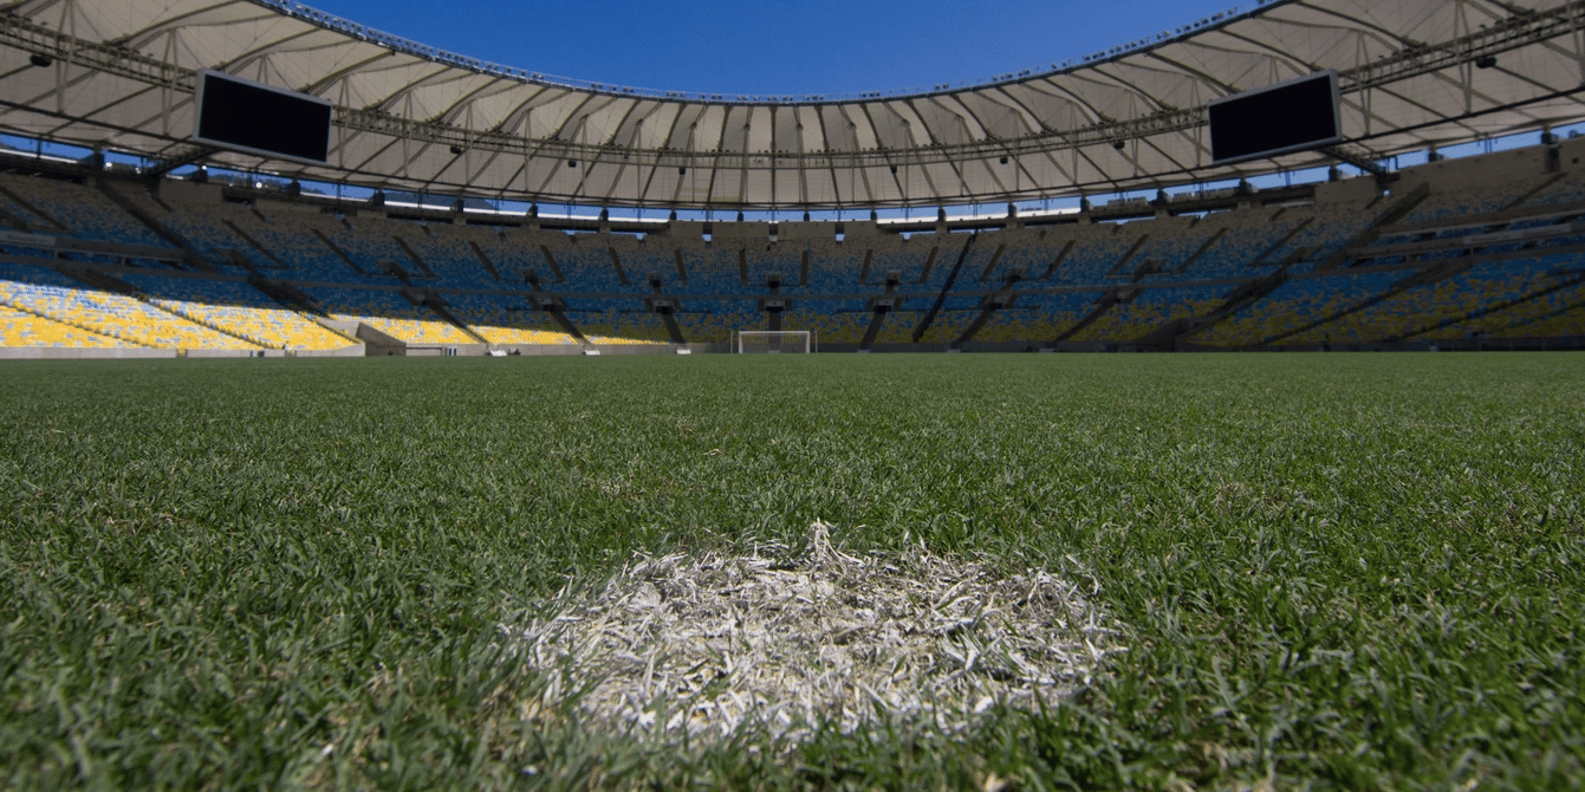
{"x": 1097, "y": 253}
{"x": 1481, "y": 199}
{"x": 215, "y": 233}
{"x": 715, "y": 271}
{"x": 923, "y": 260}
{"x": 290, "y": 238}
{"x": 586, "y": 263}
{"x": 835, "y": 267}
{"x": 372, "y": 245}
{"x": 1331, "y": 227}
{"x": 23, "y": 218}
{"x": 513, "y": 253}
{"x": 763, "y": 259}
{"x": 1239, "y": 243}
{"x": 83, "y": 209}
{"x": 446, "y": 255}
{"x": 1569, "y": 189}
{"x": 1023, "y": 252}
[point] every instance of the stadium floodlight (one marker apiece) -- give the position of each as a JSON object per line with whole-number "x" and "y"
{"x": 774, "y": 342}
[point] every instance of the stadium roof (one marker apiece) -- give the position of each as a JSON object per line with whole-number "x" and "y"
{"x": 121, "y": 74}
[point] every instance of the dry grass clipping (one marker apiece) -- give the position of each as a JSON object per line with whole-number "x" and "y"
{"x": 712, "y": 644}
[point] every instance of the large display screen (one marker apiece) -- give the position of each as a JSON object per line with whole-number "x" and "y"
{"x": 1291, "y": 116}
{"x": 241, "y": 114}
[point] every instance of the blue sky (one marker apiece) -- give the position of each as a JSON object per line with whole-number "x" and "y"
{"x": 775, "y": 46}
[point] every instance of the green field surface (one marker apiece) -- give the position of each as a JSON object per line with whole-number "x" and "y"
{"x": 1346, "y": 571}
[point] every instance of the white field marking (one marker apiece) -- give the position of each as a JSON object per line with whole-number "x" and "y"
{"x": 712, "y": 644}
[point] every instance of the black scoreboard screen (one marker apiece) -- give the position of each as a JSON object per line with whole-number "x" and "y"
{"x": 1291, "y": 116}
{"x": 241, "y": 114}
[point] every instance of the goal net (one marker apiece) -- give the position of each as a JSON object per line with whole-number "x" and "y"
{"x": 774, "y": 342}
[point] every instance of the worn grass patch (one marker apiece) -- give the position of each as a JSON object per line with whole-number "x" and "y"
{"x": 788, "y": 644}
{"x": 1333, "y": 571}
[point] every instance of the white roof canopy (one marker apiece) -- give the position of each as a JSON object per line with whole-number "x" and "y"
{"x": 122, "y": 74}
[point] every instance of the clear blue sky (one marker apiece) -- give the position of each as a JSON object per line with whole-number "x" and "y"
{"x": 775, "y": 46}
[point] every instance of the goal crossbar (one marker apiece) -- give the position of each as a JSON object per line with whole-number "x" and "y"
{"x": 773, "y": 342}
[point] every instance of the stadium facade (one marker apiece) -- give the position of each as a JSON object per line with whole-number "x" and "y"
{"x": 154, "y": 243}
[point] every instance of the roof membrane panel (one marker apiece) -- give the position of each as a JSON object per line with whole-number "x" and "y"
{"x": 125, "y": 73}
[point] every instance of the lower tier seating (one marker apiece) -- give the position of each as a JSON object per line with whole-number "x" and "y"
{"x": 52, "y": 296}
{"x": 22, "y": 329}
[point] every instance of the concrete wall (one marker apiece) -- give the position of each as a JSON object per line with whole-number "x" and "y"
{"x": 1485, "y": 169}
{"x": 796, "y": 231}
{"x": 1359, "y": 189}
{"x": 353, "y": 350}
{"x": 231, "y": 353}
{"x": 83, "y": 353}
{"x": 140, "y": 353}
{"x": 190, "y": 192}
{"x": 273, "y": 205}
{"x": 547, "y": 350}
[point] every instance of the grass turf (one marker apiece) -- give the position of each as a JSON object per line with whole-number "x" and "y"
{"x": 1340, "y": 571}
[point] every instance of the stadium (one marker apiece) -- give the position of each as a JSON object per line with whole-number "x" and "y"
{"x": 422, "y": 230}
{"x": 618, "y": 560}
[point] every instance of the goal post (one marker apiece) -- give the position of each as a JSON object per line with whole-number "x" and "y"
{"x": 774, "y": 342}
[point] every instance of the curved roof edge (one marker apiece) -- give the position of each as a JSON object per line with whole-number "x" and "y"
{"x": 373, "y": 35}
{"x": 1413, "y": 74}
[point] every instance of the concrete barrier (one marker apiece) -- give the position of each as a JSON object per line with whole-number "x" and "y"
{"x": 140, "y": 353}
{"x": 226, "y": 353}
{"x": 83, "y": 353}
{"x": 351, "y": 350}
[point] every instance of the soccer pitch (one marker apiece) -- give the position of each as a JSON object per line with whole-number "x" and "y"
{"x": 1340, "y": 571}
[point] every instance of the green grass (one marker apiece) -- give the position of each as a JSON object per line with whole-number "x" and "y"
{"x": 1336, "y": 571}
